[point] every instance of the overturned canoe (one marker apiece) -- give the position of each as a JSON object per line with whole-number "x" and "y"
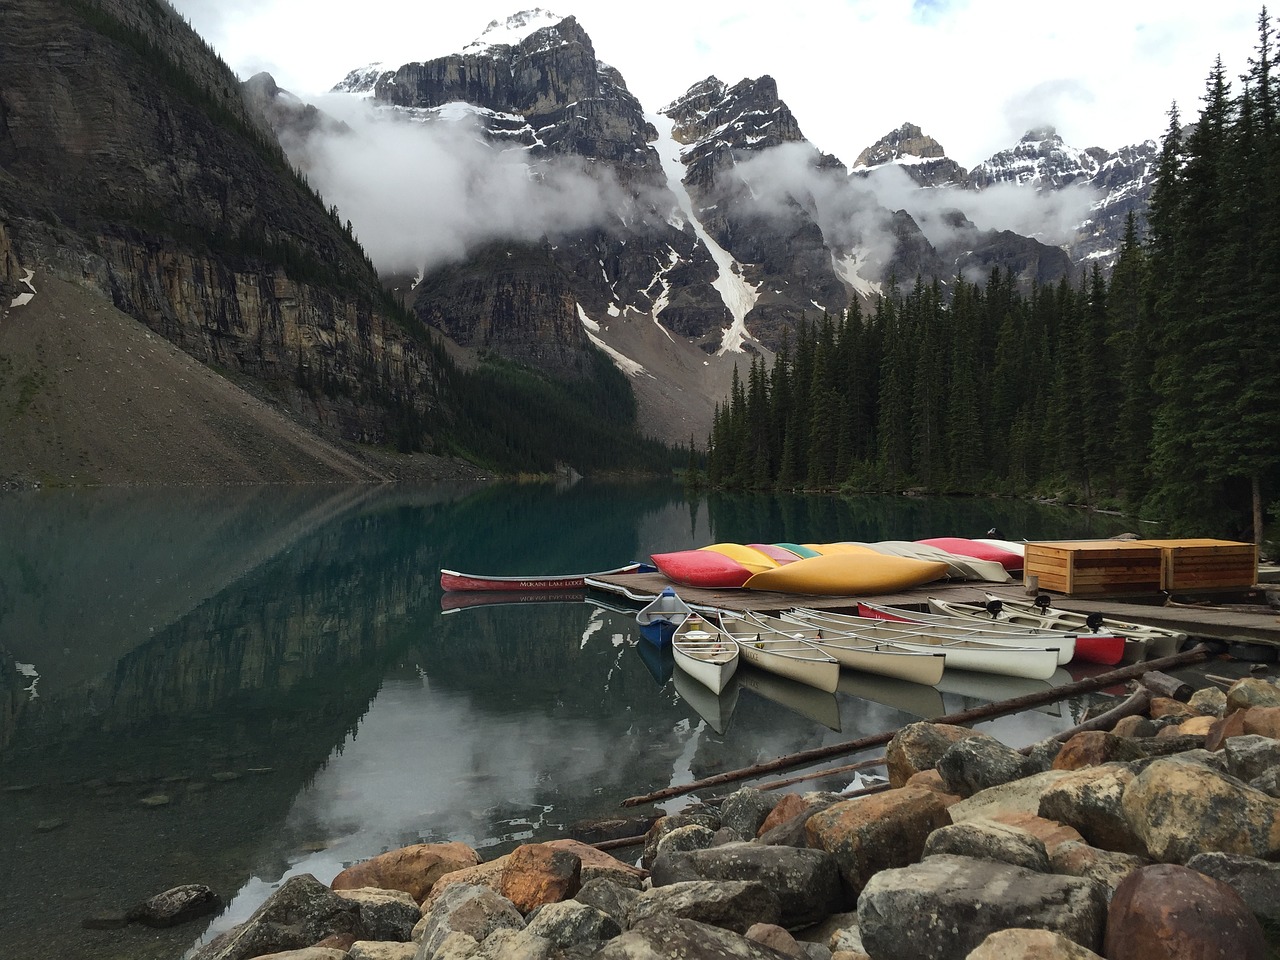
{"x": 701, "y": 568}
{"x": 847, "y": 574}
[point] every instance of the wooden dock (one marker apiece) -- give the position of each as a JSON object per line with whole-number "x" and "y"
{"x": 1232, "y": 622}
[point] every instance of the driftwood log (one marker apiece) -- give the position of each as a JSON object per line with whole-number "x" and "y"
{"x": 1196, "y": 654}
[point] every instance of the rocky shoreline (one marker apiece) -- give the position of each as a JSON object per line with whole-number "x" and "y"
{"x": 1156, "y": 838}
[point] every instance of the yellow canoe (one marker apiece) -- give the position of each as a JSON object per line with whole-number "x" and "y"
{"x": 749, "y": 557}
{"x": 831, "y": 549}
{"x": 848, "y": 574}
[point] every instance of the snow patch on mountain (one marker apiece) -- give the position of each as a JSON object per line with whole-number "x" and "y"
{"x": 512, "y": 31}
{"x": 623, "y": 363}
{"x": 846, "y": 267}
{"x": 738, "y": 295}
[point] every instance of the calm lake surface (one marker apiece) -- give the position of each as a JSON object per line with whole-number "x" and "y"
{"x": 235, "y": 686}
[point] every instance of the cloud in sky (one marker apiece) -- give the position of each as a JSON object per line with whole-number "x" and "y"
{"x": 969, "y": 72}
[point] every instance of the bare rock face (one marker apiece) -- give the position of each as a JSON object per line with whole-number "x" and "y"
{"x": 945, "y": 906}
{"x": 925, "y": 160}
{"x": 413, "y": 869}
{"x": 1166, "y": 910}
{"x": 1180, "y": 809}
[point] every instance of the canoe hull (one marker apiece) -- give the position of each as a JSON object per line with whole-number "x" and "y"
{"x": 705, "y": 653}
{"x": 453, "y": 580}
{"x": 847, "y": 574}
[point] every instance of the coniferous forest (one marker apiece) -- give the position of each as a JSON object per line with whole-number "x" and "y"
{"x": 1155, "y": 390}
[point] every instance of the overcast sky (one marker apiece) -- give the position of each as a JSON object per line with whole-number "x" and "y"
{"x": 973, "y": 74}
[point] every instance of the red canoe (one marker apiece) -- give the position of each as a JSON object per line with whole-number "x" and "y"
{"x": 979, "y": 551}
{"x": 453, "y": 580}
{"x": 701, "y": 568}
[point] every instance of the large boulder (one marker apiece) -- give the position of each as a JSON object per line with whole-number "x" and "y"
{"x": 732, "y": 904}
{"x": 385, "y": 914}
{"x": 1168, "y": 911}
{"x": 876, "y": 832}
{"x": 665, "y": 936}
{"x": 744, "y": 810}
{"x": 1078, "y": 859}
{"x": 945, "y": 906}
{"x": 1250, "y": 756}
{"x": 597, "y": 863}
{"x": 536, "y": 874}
{"x": 919, "y": 746}
{"x": 572, "y": 924}
{"x": 608, "y": 896}
{"x": 972, "y": 764}
{"x": 664, "y": 825}
{"x": 1180, "y": 809}
{"x": 1252, "y": 692}
{"x": 1089, "y": 799}
{"x": 1022, "y": 944}
{"x": 303, "y": 911}
{"x": 1016, "y": 797}
{"x": 1088, "y": 748}
{"x": 989, "y": 840}
{"x": 806, "y": 882}
{"x": 413, "y": 869}
{"x": 461, "y": 908}
{"x": 1257, "y": 881}
{"x": 791, "y": 832}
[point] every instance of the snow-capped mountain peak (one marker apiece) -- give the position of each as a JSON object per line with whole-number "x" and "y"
{"x": 512, "y": 31}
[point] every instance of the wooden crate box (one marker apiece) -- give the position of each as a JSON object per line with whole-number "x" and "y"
{"x": 1190, "y": 565}
{"x": 1094, "y": 567}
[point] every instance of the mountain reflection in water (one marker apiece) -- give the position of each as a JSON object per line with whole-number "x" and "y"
{"x": 233, "y": 686}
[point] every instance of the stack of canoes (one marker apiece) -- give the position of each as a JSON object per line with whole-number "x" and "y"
{"x": 787, "y": 656}
{"x": 1140, "y": 640}
{"x": 976, "y": 650}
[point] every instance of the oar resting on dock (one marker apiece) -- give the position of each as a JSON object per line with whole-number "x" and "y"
{"x": 1196, "y": 654}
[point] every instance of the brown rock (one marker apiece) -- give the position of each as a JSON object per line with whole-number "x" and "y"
{"x": 1020, "y": 944}
{"x": 932, "y": 780}
{"x": 784, "y": 811}
{"x": 1090, "y": 800}
{"x": 338, "y": 941}
{"x": 1180, "y": 809}
{"x": 1051, "y": 833}
{"x": 1232, "y": 725}
{"x": 597, "y": 863}
{"x": 877, "y": 832}
{"x": 1167, "y": 912}
{"x": 776, "y": 938}
{"x": 1264, "y": 721}
{"x": 1134, "y": 726}
{"x": 537, "y": 873}
{"x": 1106, "y": 867}
{"x": 1196, "y": 726}
{"x": 918, "y": 746}
{"x": 1088, "y": 749}
{"x": 1168, "y": 707}
{"x": 414, "y": 869}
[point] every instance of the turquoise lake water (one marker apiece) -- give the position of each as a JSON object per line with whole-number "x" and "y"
{"x": 234, "y": 686}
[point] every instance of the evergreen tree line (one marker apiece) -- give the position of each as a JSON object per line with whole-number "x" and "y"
{"x": 1155, "y": 390}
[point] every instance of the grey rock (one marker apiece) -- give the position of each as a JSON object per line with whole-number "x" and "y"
{"x": 989, "y": 840}
{"x": 732, "y": 904}
{"x": 1257, "y": 881}
{"x": 1249, "y": 757}
{"x": 745, "y": 810}
{"x": 690, "y": 837}
{"x": 301, "y": 913}
{"x": 1268, "y": 783}
{"x": 465, "y": 908}
{"x": 177, "y": 905}
{"x": 385, "y": 914}
{"x": 608, "y": 896}
{"x": 1040, "y": 756}
{"x": 380, "y": 950}
{"x": 667, "y": 824}
{"x": 791, "y": 833}
{"x": 945, "y": 906}
{"x": 976, "y": 763}
{"x": 570, "y": 923}
{"x": 665, "y": 937}
{"x": 806, "y": 882}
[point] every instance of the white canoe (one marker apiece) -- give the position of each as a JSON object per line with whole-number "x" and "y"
{"x": 703, "y": 651}
{"x": 666, "y": 607}
{"x": 992, "y": 631}
{"x": 867, "y": 656}
{"x": 1033, "y": 661}
{"x": 958, "y": 567}
{"x": 1154, "y": 641}
{"x": 786, "y": 656}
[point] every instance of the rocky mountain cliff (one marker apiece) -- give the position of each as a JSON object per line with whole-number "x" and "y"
{"x": 131, "y": 165}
